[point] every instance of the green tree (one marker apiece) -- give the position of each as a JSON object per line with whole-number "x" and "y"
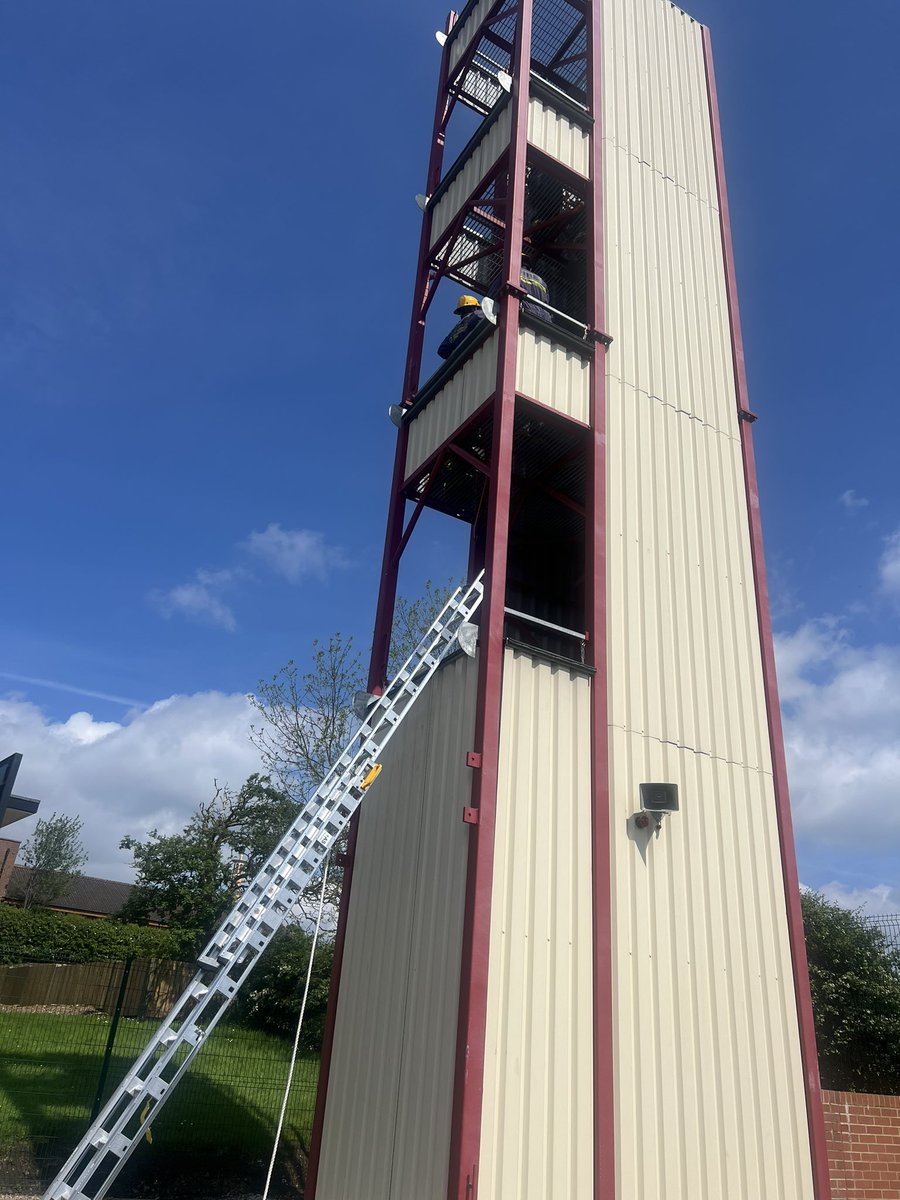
{"x": 307, "y": 717}
{"x": 412, "y": 618}
{"x": 855, "y": 982}
{"x": 189, "y": 880}
{"x": 54, "y": 855}
{"x": 274, "y": 992}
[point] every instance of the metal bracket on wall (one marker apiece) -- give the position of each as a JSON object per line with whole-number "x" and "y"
{"x": 605, "y": 339}
{"x": 473, "y": 759}
{"x": 470, "y": 816}
{"x": 744, "y": 414}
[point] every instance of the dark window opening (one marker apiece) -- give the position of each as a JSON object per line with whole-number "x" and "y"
{"x": 555, "y": 242}
{"x": 545, "y": 583}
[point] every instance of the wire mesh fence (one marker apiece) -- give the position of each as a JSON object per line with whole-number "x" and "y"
{"x": 69, "y": 1032}
{"x": 889, "y": 925}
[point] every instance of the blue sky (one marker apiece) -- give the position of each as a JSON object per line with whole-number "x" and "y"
{"x": 208, "y": 235}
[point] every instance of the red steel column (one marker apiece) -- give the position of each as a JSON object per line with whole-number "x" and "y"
{"x": 815, "y": 1117}
{"x": 387, "y": 590}
{"x": 465, "y": 1143}
{"x": 604, "y": 1112}
{"x": 384, "y": 610}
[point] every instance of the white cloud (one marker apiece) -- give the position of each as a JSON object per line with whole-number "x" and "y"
{"x": 851, "y": 501}
{"x": 56, "y": 686}
{"x": 842, "y": 733}
{"x": 874, "y": 901}
{"x": 292, "y": 553}
{"x": 889, "y": 566}
{"x": 200, "y": 599}
{"x": 295, "y": 553}
{"x": 812, "y": 645}
{"x": 149, "y": 771}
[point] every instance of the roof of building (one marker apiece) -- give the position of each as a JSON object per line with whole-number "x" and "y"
{"x": 102, "y": 897}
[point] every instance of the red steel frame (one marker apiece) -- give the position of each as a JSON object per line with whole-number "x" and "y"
{"x": 386, "y": 598}
{"x": 465, "y": 1132}
{"x": 595, "y": 529}
{"x": 809, "y": 1056}
{"x": 469, "y": 1074}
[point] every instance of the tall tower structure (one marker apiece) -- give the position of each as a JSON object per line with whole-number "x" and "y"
{"x": 540, "y": 989}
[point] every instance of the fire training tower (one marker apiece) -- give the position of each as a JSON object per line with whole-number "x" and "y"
{"x": 555, "y": 980}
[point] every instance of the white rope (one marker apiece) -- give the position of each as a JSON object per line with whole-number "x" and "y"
{"x": 290, "y": 1078}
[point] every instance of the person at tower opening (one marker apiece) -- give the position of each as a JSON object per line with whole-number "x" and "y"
{"x": 535, "y": 286}
{"x": 468, "y": 309}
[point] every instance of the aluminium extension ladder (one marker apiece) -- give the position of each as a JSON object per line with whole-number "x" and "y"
{"x": 265, "y": 904}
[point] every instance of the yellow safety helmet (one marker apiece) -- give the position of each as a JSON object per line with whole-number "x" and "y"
{"x": 466, "y": 302}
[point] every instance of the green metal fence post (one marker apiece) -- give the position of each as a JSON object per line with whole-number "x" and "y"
{"x": 114, "y": 1025}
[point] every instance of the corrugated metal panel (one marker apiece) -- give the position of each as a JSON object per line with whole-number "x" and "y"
{"x": 482, "y": 158}
{"x": 551, "y": 373}
{"x": 463, "y": 36}
{"x": 387, "y": 1119}
{"x": 559, "y": 137}
{"x": 684, "y": 660}
{"x": 469, "y": 387}
{"x": 537, "y": 1126}
{"x": 666, "y": 303}
{"x": 709, "y": 1081}
{"x": 655, "y": 103}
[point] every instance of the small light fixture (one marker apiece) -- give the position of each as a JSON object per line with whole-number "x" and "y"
{"x": 441, "y": 38}
{"x": 505, "y": 80}
{"x": 468, "y": 638}
{"x": 362, "y": 702}
{"x": 657, "y": 799}
{"x": 422, "y": 200}
{"x": 489, "y": 308}
{"x": 395, "y": 412}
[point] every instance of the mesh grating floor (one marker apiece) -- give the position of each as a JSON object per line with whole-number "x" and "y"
{"x": 559, "y": 46}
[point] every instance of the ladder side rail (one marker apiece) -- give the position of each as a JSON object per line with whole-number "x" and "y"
{"x": 146, "y": 1087}
{"x": 248, "y": 914}
{"x": 317, "y": 812}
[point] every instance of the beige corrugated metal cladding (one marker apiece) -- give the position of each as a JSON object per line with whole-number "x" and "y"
{"x": 387, "y": 1121}
{"x": 537, "y": 1124}
{"x": 709, "y": 1090}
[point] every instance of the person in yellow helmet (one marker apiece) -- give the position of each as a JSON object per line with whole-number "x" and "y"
{"x": 468, "y": 309}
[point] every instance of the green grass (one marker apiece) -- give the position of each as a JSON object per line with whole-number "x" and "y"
{"x": 227, "y": 1103}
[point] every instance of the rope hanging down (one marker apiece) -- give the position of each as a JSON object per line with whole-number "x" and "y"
{"x": 290, "y": 1078}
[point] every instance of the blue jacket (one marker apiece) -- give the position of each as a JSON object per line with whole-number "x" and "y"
{"x": 535, "y": 286}
{"x": 460, "y": 331}
{"x": 532, "y": 285}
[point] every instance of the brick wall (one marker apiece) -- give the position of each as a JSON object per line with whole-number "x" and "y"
{"x": 863, "y": 1134}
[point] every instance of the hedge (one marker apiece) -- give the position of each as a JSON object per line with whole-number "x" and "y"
{"x": 273, "y": 994}
{"x": 33, "y": 935}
